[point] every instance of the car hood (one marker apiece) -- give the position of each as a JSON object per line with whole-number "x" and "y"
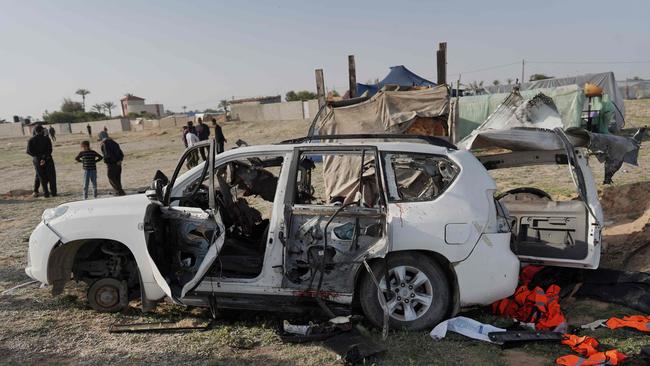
{"x": 131, "y": 205}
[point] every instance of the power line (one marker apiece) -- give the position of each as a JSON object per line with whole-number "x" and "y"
{"x": 486, "y": 68}
{"x": 588, "y": 62}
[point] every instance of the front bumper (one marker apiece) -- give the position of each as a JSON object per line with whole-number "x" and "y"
{"x": 41, "y": 243}
{"x": 490, "y": 273}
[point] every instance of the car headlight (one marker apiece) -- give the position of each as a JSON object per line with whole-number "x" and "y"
{"x": 53, "y": 213}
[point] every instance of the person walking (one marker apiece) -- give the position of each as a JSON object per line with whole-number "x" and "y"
{"x": 218, "y": 135}
{"x": 192, "y": 139}
{"x": 89, "y": 158}
{"x": 113, "y": 157}
{"x": 52, "y": 133}
{"x": 90, "y": 130}
{"x": 39, "y": 147}
{"x": 203, "y": 132}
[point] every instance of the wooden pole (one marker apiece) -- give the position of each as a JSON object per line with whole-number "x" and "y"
{"x": 352, "y": 76}
{"x": 442, "y": 63}
{"x": 320, "y": 88}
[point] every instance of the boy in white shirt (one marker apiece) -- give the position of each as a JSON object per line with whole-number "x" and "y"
{"x": 191, "y": 139}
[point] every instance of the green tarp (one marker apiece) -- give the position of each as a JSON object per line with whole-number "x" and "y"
{"x": 474, "y": 110}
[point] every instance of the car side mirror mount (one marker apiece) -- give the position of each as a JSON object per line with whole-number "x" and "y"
{"x": 156, "y": 191}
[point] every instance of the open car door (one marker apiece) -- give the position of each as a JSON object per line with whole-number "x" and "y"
{"x": 545, "y": 231}
{"x": 185, "y": 234}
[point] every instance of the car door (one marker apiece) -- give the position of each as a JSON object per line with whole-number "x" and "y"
{"x": 335, "y": 212}
{"x": 184, "y": 233}
{"x": 565, "y": 233}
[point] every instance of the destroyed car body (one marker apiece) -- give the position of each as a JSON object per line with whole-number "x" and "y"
{"x": 257, "y": 228}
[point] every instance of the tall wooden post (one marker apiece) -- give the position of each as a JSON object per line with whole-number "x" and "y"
{"x": 320, "y": 88}
{"x": 442, "y": 63}
{"x": 352, "y": 76}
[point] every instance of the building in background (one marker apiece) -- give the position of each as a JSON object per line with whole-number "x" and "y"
{"x": 132, "y": 104}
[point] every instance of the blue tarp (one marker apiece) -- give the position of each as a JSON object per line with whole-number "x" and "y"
{"x": 398, "y": 75}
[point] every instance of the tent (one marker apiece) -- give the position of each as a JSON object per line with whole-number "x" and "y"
{"x": 387, "y": 112}
{"x": 398, "y": 75}
{"x": 605, "y": 80}
{"x": 474, "y": 110}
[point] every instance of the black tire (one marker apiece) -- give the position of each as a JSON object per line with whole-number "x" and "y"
{"x": 108, "y": 295}
{"x": 427, "y": 318}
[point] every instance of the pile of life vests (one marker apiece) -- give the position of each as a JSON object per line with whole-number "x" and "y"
{"x": 534, "y": 306}
{"x": 587, "y": 347}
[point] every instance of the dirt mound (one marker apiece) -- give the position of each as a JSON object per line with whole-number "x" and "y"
{"x": 16, "y": 193}
{"x": 627, "y": 227}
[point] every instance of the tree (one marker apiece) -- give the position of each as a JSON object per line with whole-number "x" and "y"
{"x": 496, "y": 82}
{"x": 184, "y": 108}
{"x": 636, "y": 78}
{"x": 223, "y": 104}
{"x": 99, "y": 108}
{"x": 476, "y": 87}
{"x": 61, "y": 117}
{"x": 335, "y": 93}
{"x": 109, "y": 107}
{"x": 301, "y": 95}
{"x": 535, "y": 77}
{"x": 509, "y": 81}
{"x": 83, "y": 93}
{"x": 71, "y": 106}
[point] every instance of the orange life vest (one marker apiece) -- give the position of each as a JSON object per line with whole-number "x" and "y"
{"x": 638, "y": 322}
{"x": 611, "y": 357}
{"x": 533, "y": 306}
{"x": 584, "y": 345}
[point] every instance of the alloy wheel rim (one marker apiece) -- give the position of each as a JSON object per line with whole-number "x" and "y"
{"x": 411, "y": 293}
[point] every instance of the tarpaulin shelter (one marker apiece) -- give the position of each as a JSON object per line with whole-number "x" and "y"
{"x": 474, "y": 110}
{"x": 398, "y": 75}
{"x": 605, "y": 80}
{"x": 419, "y": 112}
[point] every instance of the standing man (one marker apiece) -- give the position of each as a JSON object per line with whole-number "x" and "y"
{"x": 218, "y": 135}
{"x": 203, "y": 132}
{"x": 192, "y": 139}
{"x": 103, "y": 134}
{"x": 113, "y": 157}
{"x": 52, "y": 133}
{"x": 90, "y": 130}
{"x": 39, "y": 148}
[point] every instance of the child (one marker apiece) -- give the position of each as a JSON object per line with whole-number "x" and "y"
{"x": 89, "y": 159}
{"x": 191, "y": 139}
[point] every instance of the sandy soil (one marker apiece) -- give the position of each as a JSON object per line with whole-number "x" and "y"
{"x": 38, "y": 328}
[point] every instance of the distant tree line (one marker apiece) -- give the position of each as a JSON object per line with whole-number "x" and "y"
{"x": 301, "y": 95}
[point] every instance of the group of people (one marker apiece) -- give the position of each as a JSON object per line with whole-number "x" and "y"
{"x": 39, "y": 148}
{"x": 201, "y": 132}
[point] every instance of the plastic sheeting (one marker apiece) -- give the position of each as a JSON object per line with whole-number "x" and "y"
{"x": 398, "y": 75}
{"x": 474, "y": 110}
{"x": 605, "y": 80}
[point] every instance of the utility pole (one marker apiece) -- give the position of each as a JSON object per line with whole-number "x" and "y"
{"x": 320, "y": 88}
{"x": 441, "y": 56}
{"x": 352, "y": 76}
{"x": 523, "y": 65}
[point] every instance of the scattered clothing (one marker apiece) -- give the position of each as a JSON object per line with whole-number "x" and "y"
{"x": 638, "y": 322}
{"x": 465, "y": 326}
{"x": 583, "y": 345}
{"x": 534, "y": 306}
{"x": 611, "y": 357}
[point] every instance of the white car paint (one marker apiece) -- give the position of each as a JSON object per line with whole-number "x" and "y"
{"x": 485, "y": 267}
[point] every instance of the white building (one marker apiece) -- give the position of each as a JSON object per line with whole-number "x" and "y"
{"x": 133, "y": 104}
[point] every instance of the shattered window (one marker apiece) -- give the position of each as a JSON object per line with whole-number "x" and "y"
{"x": 415, "y": 177}
{"x": 336, "y": 178}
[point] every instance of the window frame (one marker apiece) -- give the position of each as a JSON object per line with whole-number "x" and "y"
{"x": 384, "y": 162}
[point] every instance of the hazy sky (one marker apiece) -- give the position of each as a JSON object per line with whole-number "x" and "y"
{"x": 195, "y": 53}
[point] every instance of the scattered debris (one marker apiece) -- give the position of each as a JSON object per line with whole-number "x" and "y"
{"x": 182, "y": 325}
{"x": 516, "y": 337}
{"x": 467, "y": 327}
{"x": 11, "y": 290}
{"x": 353, "y": 347}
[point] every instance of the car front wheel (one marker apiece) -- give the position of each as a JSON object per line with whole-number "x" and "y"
{"x": 418, "y": 297}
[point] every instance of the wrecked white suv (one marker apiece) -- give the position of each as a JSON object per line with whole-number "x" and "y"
{"x": 317, "y": 222}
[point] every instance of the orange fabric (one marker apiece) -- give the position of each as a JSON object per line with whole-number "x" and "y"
{"x": 611, "y": 357}
{"x": 584, "y": 345}
{"x": 533, "y": 306}
{"x": 638, "y": 322}
{"x": 527, "y": 273}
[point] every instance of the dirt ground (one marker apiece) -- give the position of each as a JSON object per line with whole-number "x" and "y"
{"x": 39, "y": 328}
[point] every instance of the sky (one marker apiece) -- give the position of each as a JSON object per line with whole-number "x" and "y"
{"x": 195, "y": 53}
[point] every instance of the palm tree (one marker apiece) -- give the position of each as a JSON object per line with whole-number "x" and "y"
{"x": 99, "y": 108}
{"x": 496, "y": 82}
{"x": 184, "y": 109}
{"x": 83, "y": 93}
{"x": 109, "y": 107}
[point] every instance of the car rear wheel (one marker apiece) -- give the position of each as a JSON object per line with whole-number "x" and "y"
{"x": 418, "y": 297}
{"x": 108, "y": 295}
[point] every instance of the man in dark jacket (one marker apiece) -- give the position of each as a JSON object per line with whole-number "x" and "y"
{"x": 113, "y": 157}
{"x": 39, "y": 148}
{"x": 203, "y": 133}
{"x": 218, "y": 135}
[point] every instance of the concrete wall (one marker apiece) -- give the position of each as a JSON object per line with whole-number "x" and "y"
{"x": 113, "y": 125}
{"x": 274, "y": 111}
{"x": 11, "y": 130}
